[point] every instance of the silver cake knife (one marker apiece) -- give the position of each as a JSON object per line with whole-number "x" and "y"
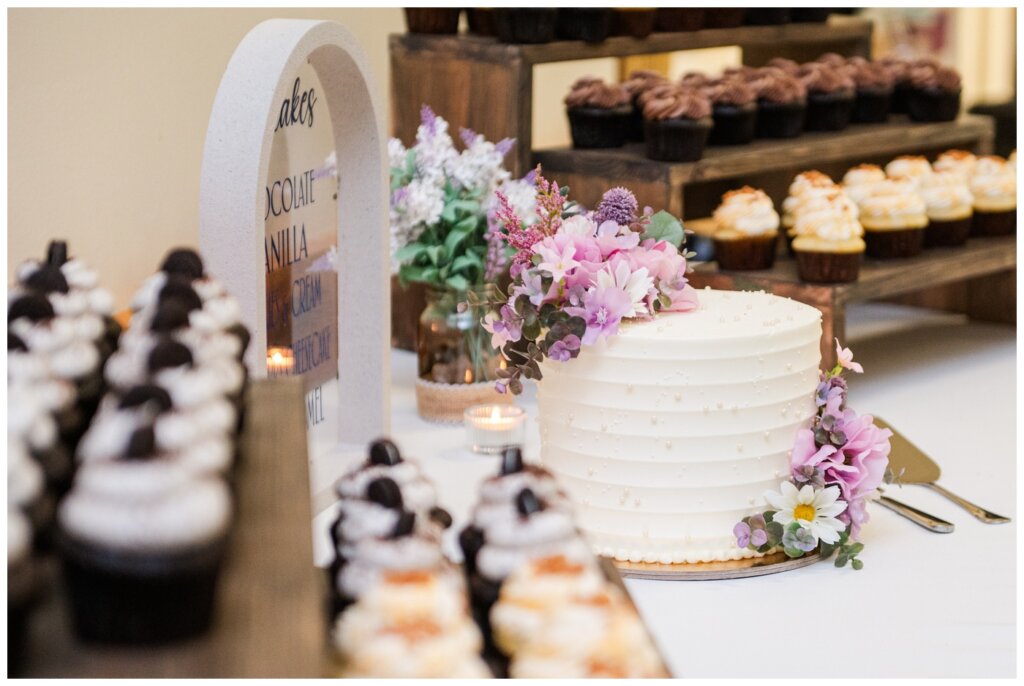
{"x": 919, "y": 517}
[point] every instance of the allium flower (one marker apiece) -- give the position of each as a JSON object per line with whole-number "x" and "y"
{"x": 814, "y": 510}
{"x": 562, "y": 350}
{"x": 845, "y": 358}
{"x": 618, "y": 205}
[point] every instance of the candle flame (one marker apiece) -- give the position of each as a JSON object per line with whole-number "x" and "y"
{"x": 469, "y": 376}
{"x": 495, "y": 413}
{"x": 276, "y": 357}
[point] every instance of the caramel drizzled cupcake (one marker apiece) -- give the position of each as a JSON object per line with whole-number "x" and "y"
{"x": 677, "y": 123}
{"x": 598, "y": 113}
{"x": 874, "y": 84}
{"x": 804, "y": 185}
{"x": 950, "y": 207}
{"x": 747, "y": 230}
{"x": 934, "y": 93}
{"x": 831, "y": 94}
{"x": 993, "y": 184}
{"x": 734, "y": 111}
{"x": 894, "y": 219}
{"x": 828, "y": 244}
{"x": 858, "y": 181}
{"x": 781, "y": 103}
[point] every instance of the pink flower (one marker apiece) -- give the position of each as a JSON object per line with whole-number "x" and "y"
{"x": 603, "y": 308}
{"x": 508, "y": 326}
{"x": 610, "y": 241}
{"x": 845, "y": 358}
{"x": 683, "y": 299}
{"x": 555, "y": 261}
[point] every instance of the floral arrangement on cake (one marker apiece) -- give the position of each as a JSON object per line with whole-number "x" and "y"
{"x": 836, "y": 467}
{"x": 578, "y": 274}
{"x": 443, "y": 221}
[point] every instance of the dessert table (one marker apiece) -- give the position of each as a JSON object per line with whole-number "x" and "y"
{"x": 925, "y": 604}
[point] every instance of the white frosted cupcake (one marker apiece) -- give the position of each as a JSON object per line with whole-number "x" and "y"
{"x": 894, "y": 218}
{"x": 746, "y": 230}
{"x": 960, "y": 161}
{"x": 950, "y": 207}
{"x": 828, "y": 245}
{"x": 912, "y": 167}
{"x": 857, "y": 181}
{"x": 993, "y": 184}
{"x": 805, "y": 184}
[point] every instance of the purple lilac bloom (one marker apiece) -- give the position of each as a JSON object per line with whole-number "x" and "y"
{"x": 497, "y": 254}
{"x": 618, "y": 205}
{"x": 562, "y": 350}
{"x": 428, "y": 119}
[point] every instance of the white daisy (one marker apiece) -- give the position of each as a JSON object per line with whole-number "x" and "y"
{"x": 814, "y": 510}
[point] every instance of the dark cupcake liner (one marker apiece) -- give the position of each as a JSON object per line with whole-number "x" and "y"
{"x": 638, "y": 23}
{"x": 724, "y": 17}
{"x": 438, "y": 20}
{"x": 828, "y": 267}
{"x": 597, "y": 127}
{"x": 525, "y": 24}
{"x": 933, "y": 104}
{"x": 136, "y": 599}
{"x": 900, "y": 97}
{"x": 945, "y": 233}
{"x": 746, "y": 254}
{"x": 471, "y": 540}
{"x": 483, "y": 594}
{"x": 672, "y": 19}
{"x": 994, "y": 223}
{"x": 635, "y": 125}
{"x": 57, "y": 465}
{"x": 816, "y": 15}
{"x": 780, "y": 119}
{"x": 828, "y": 111}
{"x": 893, "y": 245}
{"x": 589, "y": 24}
{"x": 733, "y": 124}
{"x": 871, "y": 106}
{"x": 676, "y": 140}
{"x": 767, "y": 16}
{"x": 24, "y": 591}
{"x": 481, "y": 21}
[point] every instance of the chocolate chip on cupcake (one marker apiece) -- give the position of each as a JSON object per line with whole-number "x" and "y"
{"x": 831, "y": 94}
{"x": 677, "y": 122}
{"x": 746, "y": 231}
{"x": 781, "y": 103}
{"x": 599, "y": 113}
{"x": 993, "y": 184}
{"x": 733, "y": 110}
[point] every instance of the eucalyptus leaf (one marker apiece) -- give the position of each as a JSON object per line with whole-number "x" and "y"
{"x": 664, "y": 227}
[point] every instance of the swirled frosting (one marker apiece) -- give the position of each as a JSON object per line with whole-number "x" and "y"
{"x": 912, "y": 167}
{"x": 508, "y": 544}
{"x": 787, "y": 65}
{"x": 370, "y": 559}
{"x": 775, "y": 85}
{"x": 829, "y": 220}
{"x": 641, "y": 80}
{"x": 869, "y": 75}
{"x": 946, "y": 196}
{"x": 677, "y": 104}
{"x": 942, "y": 78}
{"x": 746, "y": 212}
{"x": 994, "y": 184}
{"x": 959, "y": 161}
{"x": 25, "y": 479}
{"x": 820, "y": 78}
{"x": 857, "y": 181}
{"x": 893, "y": 206}
{"x": 418, "y": 493}
{"x": 591, "y": 92}
{"x": 731, "y": 92}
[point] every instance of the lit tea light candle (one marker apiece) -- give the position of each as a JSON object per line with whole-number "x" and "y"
{"x": 491, "y": 428}
{"x": 280, "y": 361}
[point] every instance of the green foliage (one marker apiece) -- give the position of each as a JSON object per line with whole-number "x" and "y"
{"x": 848, "y": 552}
{"x": 664, "y": 227}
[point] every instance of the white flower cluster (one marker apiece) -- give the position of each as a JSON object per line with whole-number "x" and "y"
{"x": 414, "y": 207}
{"x": 522, "y": 196}
{"x": 480, "y": 165}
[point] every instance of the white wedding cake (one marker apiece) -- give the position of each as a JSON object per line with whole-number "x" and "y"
{"x": 669, "y": 433}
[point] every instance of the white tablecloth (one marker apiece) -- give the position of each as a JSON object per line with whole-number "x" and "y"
{"x": 925, "y": 605}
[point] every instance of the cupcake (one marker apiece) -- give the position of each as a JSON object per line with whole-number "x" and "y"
{"x": 787, "y": 65}
{"x": 934, "y": 94}
{"x": 589, "y": 24}
{"x": 899, "y": 72}
{"x": 830, "y": 97}
{"x": 747, "y": 230}
{"x": 724, "y": 17}
{"x": 637, "y": 22}
{"x": 26, "y": 491}
{"x": 734, "y": 111}
{"x": 525, "y": 24}
{"x": 23, "y": 587}
{"x": 960, "y": 161}
{"x": 679, "y": 19}
{"x": 859, "y": 181}
{"x": 410, "y": 625}
{"x": 949, "y": 205}
{"x": 432, "y": 19}
{"x": 828, "y": 245}
{"x": 694, "y": 80}
{"x": 894, "y": 220}
{"x": 599, "y": 114}
{"x": 676, "y": 125}
{"x": 914, "y": 168}
{"x": 481, "y": 21}
{"x": 31, "y": 371}
{"x": 781, "y": 103}
{"x": 638, "y": 83}
{"x": 874, "y": 84}
{"x": 993, "y": 184}
{"x": 767, "y": 16}
{"x": 804, "y": 185}
{"x": 142, "y": 541}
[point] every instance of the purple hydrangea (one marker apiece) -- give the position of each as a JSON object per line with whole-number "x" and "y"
{"x": 618, "y": 205}
{"x": 563, "y": 349}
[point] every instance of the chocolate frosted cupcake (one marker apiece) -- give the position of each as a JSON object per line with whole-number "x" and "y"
{"x": 734, "y": 111}
{"x": 676, "y": 124}
{"x": 599, "y": 113}
{"x": 26, "y": 491}
{"x": 767, "y": 16}
{"x": 638, "y": 83}
{"x": 894, "y": 220}
{"x": 874, "y": 90}
{"x": 432, "y": 19}
{"x": 747, "y": 230}
{"x": 787, "y": 65}
{"x": 679, "y": 19}
{"x": 899, "y": 72}
{"x": 142, "y": 541}
{"x": 949, "y": 205}
{"x": 828, "y": 245}
{"x": 481, "y": 21}
{"x": 830, "y": 97}
{"x": 637, "y": 22}
{"x": 590, "y": 24}
{"x": 993, "y": 184}
{"x": 781, "y": 103}
{"x": 724, "y": 17}
{"x": 525, "y": 24}
{"x": 859, "y": 181}
{"x": 935, "y": 93}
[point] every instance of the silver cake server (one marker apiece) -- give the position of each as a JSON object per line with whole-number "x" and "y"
{"x": 919, "y": 517}
{"x": 912, "y": 466}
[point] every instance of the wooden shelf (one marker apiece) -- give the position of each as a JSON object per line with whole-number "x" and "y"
{"x": 884, "y": 279}
{"x": 838, "y": 29}
{"x": 659, "y": 184}
{"x": 270, "y": 619}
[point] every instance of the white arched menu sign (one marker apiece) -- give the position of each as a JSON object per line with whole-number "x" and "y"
{"x": 259, "y": 88}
